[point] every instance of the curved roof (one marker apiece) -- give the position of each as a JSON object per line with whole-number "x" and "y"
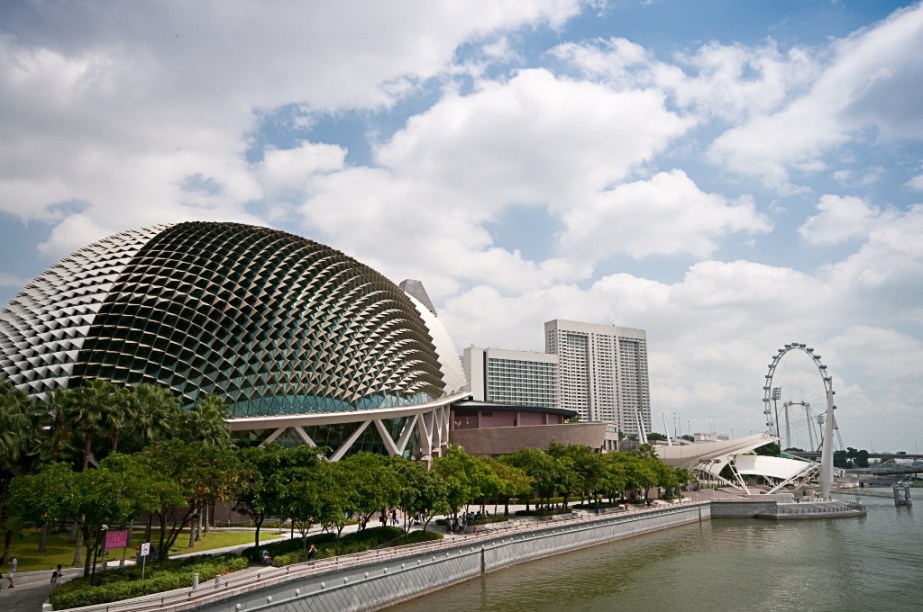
{"x": 276, "y": 323}
{"x": 774, "y": 467}
{"x": 712, "y": 455}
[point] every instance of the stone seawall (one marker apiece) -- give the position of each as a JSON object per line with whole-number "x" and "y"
{"x": 376, "y": 584}
{"x": 749, "y": 507}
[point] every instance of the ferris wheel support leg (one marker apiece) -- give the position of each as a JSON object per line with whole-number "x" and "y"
{"x": 826, "y": 453}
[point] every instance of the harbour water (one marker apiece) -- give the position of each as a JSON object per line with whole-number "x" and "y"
{"x": 843, "y": 565}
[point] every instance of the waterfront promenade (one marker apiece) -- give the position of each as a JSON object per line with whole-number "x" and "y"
{"x": 410, "y": 570}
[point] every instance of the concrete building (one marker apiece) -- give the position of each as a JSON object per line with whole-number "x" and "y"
{"x": 511, "y": 377}
{"x": 602, "y": 372}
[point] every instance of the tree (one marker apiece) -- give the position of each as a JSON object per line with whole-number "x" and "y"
{"x": 513, "y": 481}
{"x": 338, "y": 500}
{"x": 217, "y": 476}
{"x": 422, "y": 491}
{"x": 44, "y": 497}
{"x": 614, "y": 477}
{"x": 254, "y": 497}
{"x": 115, "y": 493}
{"x": 541, "y": 469}
{"x": 187, "y": 474}
{"x": 88, "y": 410}
{"x": 301, "y": 491}
{"x": 110, "y": 495}
{"x": 583, "y": 470}
{"x": 374, "y": 481}
{"x": 629, "y": 468}
{"x": 17, "y": 416}
{"x": 55, "y": 446}
{"x": 154, "y": 415}
{"x": 464, "y": 476}
{"x": 206, "y": 422}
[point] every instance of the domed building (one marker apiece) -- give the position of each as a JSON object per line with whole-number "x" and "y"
{"x": 306, "y": 344}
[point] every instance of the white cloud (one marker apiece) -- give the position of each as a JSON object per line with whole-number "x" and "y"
{"x": 916, "y": 183}
{"x": 729, "y": 82}
{"x": 881, "y": 280}
{"x": 839, "y": 219}
{"x": 864, "y": 86}
{"x": 117, "y": 107}
{"x": 666, "y": 215}
{"x": 536, "y": 138}
{"x": 890, "y": 366}
{"x": 12, "y": 281}
{"x": 863, "y": 178}
{"x": 286, "y": 170}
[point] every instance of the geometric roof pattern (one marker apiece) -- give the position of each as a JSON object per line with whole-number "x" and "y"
{"x": 275, "y": 323}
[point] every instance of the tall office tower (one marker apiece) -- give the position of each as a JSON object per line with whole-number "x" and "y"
{"x": 511, "y": 377}
{"x": 602, "y": 372}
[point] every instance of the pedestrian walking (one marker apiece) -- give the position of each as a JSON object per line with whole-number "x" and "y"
{"x": 13, "y": 564}
{"x": 57, "y": 577}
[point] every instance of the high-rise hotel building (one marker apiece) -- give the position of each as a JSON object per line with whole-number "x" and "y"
{"x": 518, "y": 378}
{"x": 602, "y": 372}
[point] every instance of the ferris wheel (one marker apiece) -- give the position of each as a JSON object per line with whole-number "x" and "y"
{"x": 795, "y": 398}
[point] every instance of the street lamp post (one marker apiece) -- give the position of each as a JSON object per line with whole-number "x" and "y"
{"x": 103, "y": 530}
{"x": 776, "y": 396}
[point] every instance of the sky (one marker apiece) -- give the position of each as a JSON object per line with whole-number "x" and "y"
{"x": 730, "y": 176}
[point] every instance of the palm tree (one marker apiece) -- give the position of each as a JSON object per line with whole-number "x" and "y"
{"x": 16, "y": 410}
{"x": 87, "y": 412}
{"x": 207, "y": 422}
{"x": 154, "y": 413}
{"x": 118, "y": 411}
{"x": 16, "y": 436}
{"x": 53, "y": 423}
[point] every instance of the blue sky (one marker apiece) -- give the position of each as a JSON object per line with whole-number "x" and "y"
{"x": 729, "y": 176}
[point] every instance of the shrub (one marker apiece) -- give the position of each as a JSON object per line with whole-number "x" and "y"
{"x": 542, "y": 512}
{"x": 416, "y": 537}
{"x": 126, "y": 582}
{"x": 350, "y": 543}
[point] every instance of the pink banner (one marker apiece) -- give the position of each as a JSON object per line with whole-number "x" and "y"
{"x": 116, "y": 539}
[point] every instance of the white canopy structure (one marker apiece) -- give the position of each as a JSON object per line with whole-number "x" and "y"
{"x": 711, "y": 458}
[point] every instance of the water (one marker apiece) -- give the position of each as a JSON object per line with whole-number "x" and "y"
{"x": 843, "y": 565}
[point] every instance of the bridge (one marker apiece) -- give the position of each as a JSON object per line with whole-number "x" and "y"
{"x": 872, "y": 455}
{"x": 891, "y": 468}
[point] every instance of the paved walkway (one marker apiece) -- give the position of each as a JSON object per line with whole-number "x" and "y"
{"x": 32, "y": 588}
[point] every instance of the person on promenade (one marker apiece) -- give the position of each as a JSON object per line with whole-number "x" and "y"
{"x": 13, "y": 563}
{"x": 312, "y": 553}
{"x": 57, "y": 577}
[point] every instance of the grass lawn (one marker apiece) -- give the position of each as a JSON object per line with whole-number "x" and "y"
{"x": 59, "y": 550}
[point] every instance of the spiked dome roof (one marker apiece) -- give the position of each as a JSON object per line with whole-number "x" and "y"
{"x": 275, "y": 323}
